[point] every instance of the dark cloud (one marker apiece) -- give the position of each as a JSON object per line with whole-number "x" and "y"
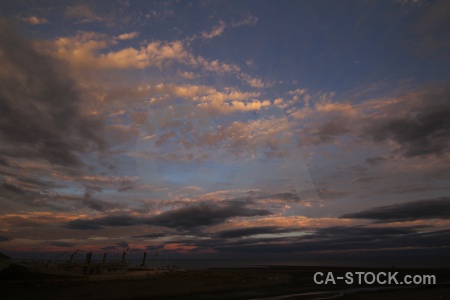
{"x": 109, "y": 248}
{"x": 5, "y": 239}
{"x": 357, "y": 168}
{"x": 327, "y": 194}
{"x": 241, "y": 232}
{"x": 3, "y": 162}
{"x": 125, "y": 185}
{"x": 185, "y": 218}
{"x": 428, "y": 38}
{"x": 288, "y": 196}
{"x": 37, "y": 193}
{"x": 62, "y": 244}
{"x": 424, "y": 130}
{"x": 418, "y": 122}
{"x": 252, "y": 195}
{"x": 364, "y": 179}
{"x": 98, "y": 205}
{"x": 441, "y": 172}
{"x": 422, "y": 209}
{"x": 40, "y": 116}
{"x": 375, "y": 160}
{"x": 18, "y": 221}
{"x": 151, "y": 235}
{"x": 332, "y": 128}
{"x": 24, "y": 185}
{"x": 90, "y": 190}
{"x": 18, "y": 194}
{"x": 123, "y": 244}
{"x": 375, "y": 232}
{"x": 330, "y": 239}
{"x": 13, "y": 188}
{"x": 155, "y": 248}
{"x": 335, "y": 240}
{"x": 108, "y": 221}
{"x": 414, "y": 188}
{"x": 93, "y": 203}
{"x": 203, "y": 214}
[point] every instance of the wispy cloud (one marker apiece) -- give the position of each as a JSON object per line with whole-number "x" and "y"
{"x": 216, "y": 31}
{"x": 128, "y": 36}
{"x": 34, "y": 20}
{"x": 83, "y": 13}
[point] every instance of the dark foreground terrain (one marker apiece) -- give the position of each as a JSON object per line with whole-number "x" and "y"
{"x": 272, "y": 282}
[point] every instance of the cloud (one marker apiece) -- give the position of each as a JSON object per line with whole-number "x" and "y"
{"x": 325, "y": 240}
{"x": 416, "y": 210}
{"x": 364, "y": 179}
{"x": 247, "y": 20}
{"x": 155, "y": 248}
{"x": 5, "y": 239}
{"x": 217, "y": 31}
{"x": 428, "y": 36}
{"x": 286, "y": 196}
{"x": 243, "y": 232}
{"x": 185, "y": 218}
{"x": 176, "y": 127}
{"x": 97, "y": 204}
{"x": 62, "y": 244}
{"x": 34, "y": 20}
{"x": 120, "y": 246}
{"x": 116, "y": 135}
{"x": 405, "y": 2}
{"x": 217, "y": 106}
{"x": 86, "y": 50}
{"x": 34, "y": 192}
{"x": 188, "y": 75}
{"x": 341, "y": 231}
{"x": 208, "y": 98}
{"x": 413, "y": 124}
{"x": 108, "y": 221}
{"x": 16, "y": 191}
{"x": 89, "y": 50}
{"x": 325, "y": 122}
{"x": 327, "y": 194}
{"x": 13, "y": 188}
{"x": 425, "y": 127}
{"x": 252, "y": 81}
{"x": 40, "y": 106}
{"x": 413, "y": 188}
{"x": 123, "y": 244}
{"x": 375, "y": 160}
{"x": 32, "y": 219}
{"x": 83, "y": 50}
{"x": 128, "y": 36}
{"x": 203, "y": 214}
{"x": 151, "y": 235}
{"x": 83, "y": 13}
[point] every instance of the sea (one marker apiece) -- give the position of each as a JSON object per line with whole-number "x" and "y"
{"x": 162, "y": 261}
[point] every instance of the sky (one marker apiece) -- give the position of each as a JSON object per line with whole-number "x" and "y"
{"x": 226, "y": 129}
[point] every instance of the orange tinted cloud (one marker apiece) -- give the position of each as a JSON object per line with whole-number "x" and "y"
{"x": 34, "y": 20}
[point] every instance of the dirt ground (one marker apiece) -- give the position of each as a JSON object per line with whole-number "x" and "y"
{"x": 250, "y": 283}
